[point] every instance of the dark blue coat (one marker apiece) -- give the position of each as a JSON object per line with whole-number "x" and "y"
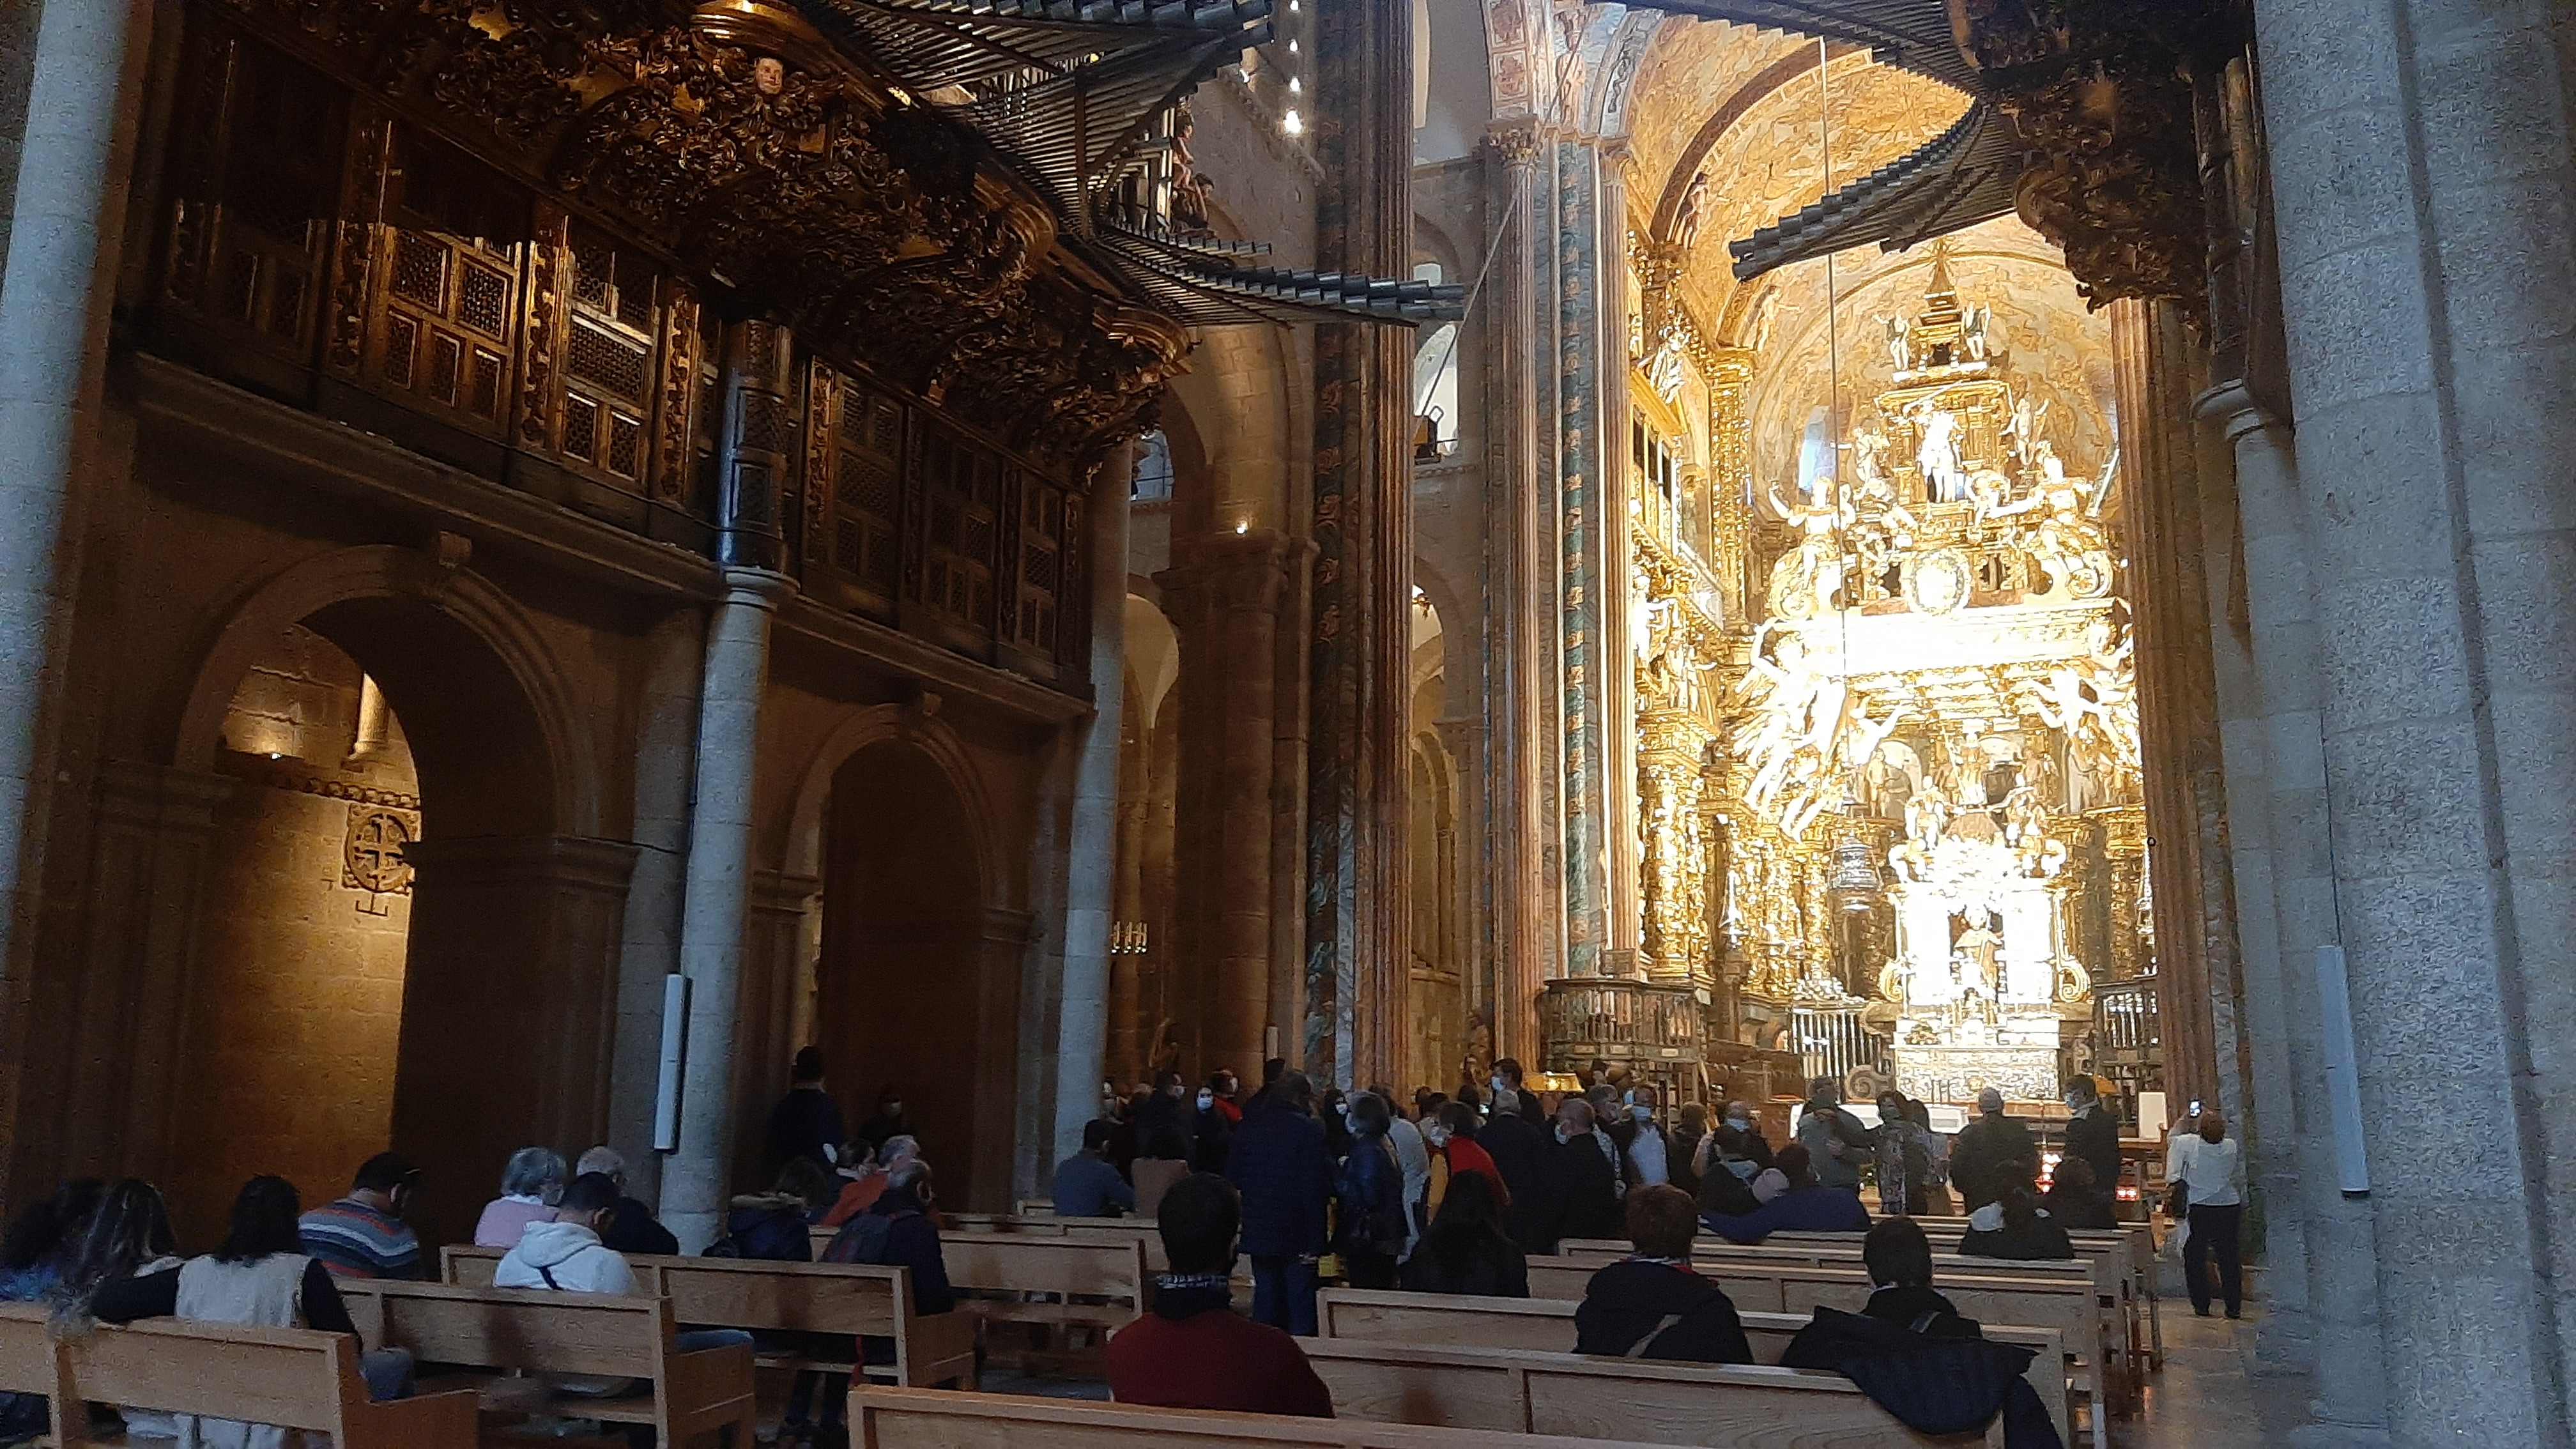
{"x": 1278, "y": 1165}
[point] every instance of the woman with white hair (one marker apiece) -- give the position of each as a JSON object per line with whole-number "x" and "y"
{"x": 530, "y": 1186}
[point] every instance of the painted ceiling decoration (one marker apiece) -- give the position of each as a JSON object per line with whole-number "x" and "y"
{"x": 2080, "y": 118}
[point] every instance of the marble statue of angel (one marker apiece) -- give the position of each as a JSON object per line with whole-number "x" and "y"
{"x": 1809, "y": 577}
{"x": 1944, "y": 475}
{"x": 1900, "y": 342}
{"x": 1972, "y": 332}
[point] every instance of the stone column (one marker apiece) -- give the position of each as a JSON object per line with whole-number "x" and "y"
{"x": 697, "y": 1180}
{"x": 2184, "y": 785}
{"x": 59, "y": 249}
{"x": 1223, "y": 594}
{"x": 2429, "y": 293}
{"x": 1515, "y": 875}
{"x": 1091, "y": 883}
{"x": 1356, "y": 861}
{"x": 665, "y": 742}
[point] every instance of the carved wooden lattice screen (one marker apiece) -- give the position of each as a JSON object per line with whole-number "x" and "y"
{"x": 253, "y": 184}
{"x": 853, "y": 539}
{"x": 961, "y": 494}
{"x": 441, "y": 318}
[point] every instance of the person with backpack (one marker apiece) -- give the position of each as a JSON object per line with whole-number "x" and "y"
{"x": 773, "y": 1225}
{"x": 1371, "y": 1232}
{"x": 898, "y": 1231}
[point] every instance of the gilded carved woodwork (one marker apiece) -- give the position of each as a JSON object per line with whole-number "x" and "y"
{"x": 738, "y": 142}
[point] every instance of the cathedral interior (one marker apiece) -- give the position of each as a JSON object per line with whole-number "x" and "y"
{"x": 560, "y": 550}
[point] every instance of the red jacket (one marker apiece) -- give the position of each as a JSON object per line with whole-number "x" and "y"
{"x": 1466, "y": 1156}
{"x": 1214, "y": 1359}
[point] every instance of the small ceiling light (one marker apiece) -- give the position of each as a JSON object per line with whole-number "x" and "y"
{"x": 1293, "y": 86}
{"x": 1291, "y": 124}
{"x": 1242, "y": 527}
{"x": 1292, "y": 46}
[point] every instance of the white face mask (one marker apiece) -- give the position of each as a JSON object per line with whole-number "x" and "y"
{"x": 1341, "y": 1109}
{"x": 1563, "y": 1135}
{"x": 1436, "y": 1136}
{"x": 1740, "y": 1124}
{"x": 1641, "y": 1112}
{"x": 1206, "y": 1100}
{"x": 1501, "y": 1088}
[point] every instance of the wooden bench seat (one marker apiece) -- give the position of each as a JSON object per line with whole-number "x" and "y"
{"x": 1547, "y": 1325}
{"x": 844, "y": 1300}
{"x": 299, "y": 1378}
{"x": 539, "y": 1332}
{"x": 2131, "y": 1245}
{"x": 884, "y": 1418}
{"x": 1529, "y": 1391}
{"x": 1061, "y": 1279}
{"x": 2067, "y": 1304}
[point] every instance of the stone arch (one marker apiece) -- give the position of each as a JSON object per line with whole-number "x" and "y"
{"x": 1459, "y": 682}
{"x": 1779, "y": 73}
{"x": 477, "y": 609}
{"x": 507, "y": 995}
{"x": 802, "y": 852}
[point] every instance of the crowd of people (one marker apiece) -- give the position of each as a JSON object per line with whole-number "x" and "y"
{"x": 1436, "y": 1194}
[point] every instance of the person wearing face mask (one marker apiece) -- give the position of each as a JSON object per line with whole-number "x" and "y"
{"x": 1684, "y": 1141}
{"x": 1212, "y": 1130}
{"x": 1450, "y": 1132}
{"x": 1577, "y": 1195}
{"x": 1736, "y": 1138}
{"x": 1643, "y": 1148}
{"x": 887, "y": 1121}
{"x": 1516, "y": 1146}
{"x": 1508, "y": 1091}
{"x": 2093, "y": 1134}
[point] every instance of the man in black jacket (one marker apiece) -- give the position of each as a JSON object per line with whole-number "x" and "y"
{"x": 1990, "y": 1154}
{"x": 1278, "y": 1164}
{"x": 1577, "y": 1194}
{"x": 2093, "y": 1134}
{"x": 1517, "y": 1146}
{"x": 1651, "y": 1304}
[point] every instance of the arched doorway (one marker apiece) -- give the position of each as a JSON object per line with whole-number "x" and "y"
{"x": 917, "y": 989}
{"x": 402, "y": 946}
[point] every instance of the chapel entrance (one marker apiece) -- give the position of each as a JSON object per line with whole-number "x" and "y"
{"x": 396, "y": 948}
{"x": 917, "y": 987}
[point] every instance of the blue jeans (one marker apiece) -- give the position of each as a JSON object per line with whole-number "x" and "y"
{"x": 698, "y": 1338}
{"x": 388, "y": 1372}
{"x": 1283, "y": 1294}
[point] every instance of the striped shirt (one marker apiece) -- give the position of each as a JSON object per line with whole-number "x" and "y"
{"x": 354, "y": 1240}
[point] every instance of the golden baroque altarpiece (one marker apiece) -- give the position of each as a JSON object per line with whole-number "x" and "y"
{"x": 1887, "y": 742}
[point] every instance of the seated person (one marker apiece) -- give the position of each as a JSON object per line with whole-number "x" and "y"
{"x": 1192, "y": 1350}
{"x": 632, "y": 1228}
{"x": 2076, "y": 1199}
{"x": 773, "y": 1225}
{"x": 261, "y": 1277}
{"x": 565, "y": 1254}
{"x": 530, "y": 1184}
{"x": 1801, "y": 1207}
{"x": 1465, "y": 1250}
{"x": 1086, "y": 1184}
{"x": 363, "y": 1235}
{"x": 1899, "y": 1260}
{"x": 2014, "y": 1226}
{"x": 1652, "y": 1303}
{"x": 1911, "y": 1352}
{"x": 860, "y": 1193}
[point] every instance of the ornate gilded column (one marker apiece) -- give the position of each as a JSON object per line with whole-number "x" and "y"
{"x": 1585, "y": 362}
{"x": 1730, "y": 483}
{"x": 1674, "y": 863}
{"x": 2124, "y": 852}
{"x": 1517, "y": 928}
{"x": 1356, "y": 862}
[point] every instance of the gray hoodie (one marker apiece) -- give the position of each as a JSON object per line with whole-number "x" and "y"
{"x": 573, "y": 1258}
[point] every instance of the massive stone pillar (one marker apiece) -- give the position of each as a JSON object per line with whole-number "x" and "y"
{"x": 2195, "y": 925}
{"x": 59, "y": 246}
{"x": 1223, "y": 594}
{"x": 1517, "y": 881}
{"x": 1091, "y": 885}
{"x": 751, "y": 464}
{"x": 2421, "y": 157}
{"x": 1356, "y": 876}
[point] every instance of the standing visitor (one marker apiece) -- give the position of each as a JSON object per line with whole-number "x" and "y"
{"x": 1370, "y": 1231}
{"x": 887, "y": 1122}
{"x": 1510, "y": 1095}
{"x": 1165, "y": 1133}
{"x": 1910, "y": 1159}
{"x": 806, "y": 1122}
{"x": 2092, "y": 1136}
{"x": 1451, "y": 1135}
{"x": 1465, "y": 1250}
{"x": 1212, "y": 1129}
{"x": 1683, "y": 1142}
{"x": 1278, "y": 1165}
{"x": 1413, "y": 1163}
{"x": 2206, "y": 1170}
{"x": 1517, "y": 1146}
{"x": 1991, "y": 1154}
{"x": 1836, "y": 1142}
{"x": 1576, "y": 1195}
{"x": 1644, "y": 1151}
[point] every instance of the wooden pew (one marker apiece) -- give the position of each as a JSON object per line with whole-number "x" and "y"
{"x": 295, "y": 1377}
{"x": 2131, "y": 1247}
{"x": 841, "y": 1299}
{"x": 882, "y": 1418}
{"x": 1035, "y": 1278}
{"x": 538, "y": 1332}
{"x": 2068, "y": 1305}
{"x": 1547, "y": 1325}
{"x": 1525, "y": 1391}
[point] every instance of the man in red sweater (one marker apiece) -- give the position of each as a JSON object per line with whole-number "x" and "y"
{"x": 1192, "y": 1351}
